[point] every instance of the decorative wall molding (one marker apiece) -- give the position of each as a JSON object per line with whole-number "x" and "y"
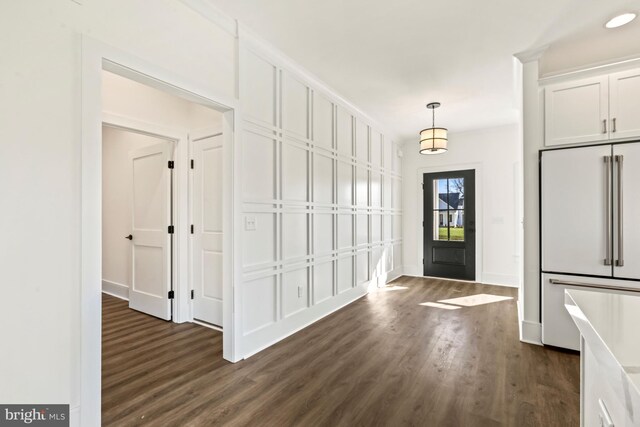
{"x": 321, "y": 188}
{"x": 253, "y": 41}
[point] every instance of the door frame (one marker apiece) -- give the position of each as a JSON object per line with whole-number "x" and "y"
{"x": 97, "y": 57}
{"x": 477, "y": 167}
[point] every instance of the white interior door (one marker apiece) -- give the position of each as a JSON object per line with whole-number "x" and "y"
{"x": 207, "y": 233}
{"x": 151, "y": 216}
{"x": 626, "y": 232}
{"x": 576, "y": 209}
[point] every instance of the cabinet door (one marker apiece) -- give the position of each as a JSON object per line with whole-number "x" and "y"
{"x": 577, "y": 112}
{"x": 626, "y": 194}
{"x": 624, "y": 99}
{"x": 575, "y": 203}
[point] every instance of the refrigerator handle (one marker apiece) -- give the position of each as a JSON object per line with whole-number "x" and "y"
{"x": 620, "y": 216}
{"x": 607, "y": 209}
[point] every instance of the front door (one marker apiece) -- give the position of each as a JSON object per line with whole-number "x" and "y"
{"x": 151, "y": 193}
{"x": 449, "y": 225}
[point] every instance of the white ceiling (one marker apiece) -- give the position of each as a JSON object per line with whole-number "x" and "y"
{"x": 392, "y": 57}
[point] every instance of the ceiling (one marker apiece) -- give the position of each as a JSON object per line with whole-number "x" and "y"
{"x": 390, "y": 58}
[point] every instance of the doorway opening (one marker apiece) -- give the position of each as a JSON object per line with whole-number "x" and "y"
{"x": 162, "y": 240}
{"x": 449, "y": 225}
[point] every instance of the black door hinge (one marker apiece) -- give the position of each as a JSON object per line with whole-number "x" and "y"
{"x": 192, "y": 163}
{"x": 171, "y": 294}
{"x": 171, "y": 164}
{"x": 170, "y": 229}
{"x": 193, "y": 294}
{"x": 191, "y": 228}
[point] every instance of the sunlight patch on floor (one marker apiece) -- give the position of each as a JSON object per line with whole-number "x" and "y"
{"x": 438, "y": 305}
{"x": 473, "y": 300}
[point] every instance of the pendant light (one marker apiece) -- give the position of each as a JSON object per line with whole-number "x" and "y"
{"x": 433, "y": 140}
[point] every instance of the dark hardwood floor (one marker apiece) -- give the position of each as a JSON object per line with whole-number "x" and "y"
{"x": 384, "y": 360}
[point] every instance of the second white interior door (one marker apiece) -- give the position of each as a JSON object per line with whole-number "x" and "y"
{"x": 207, "y": 225}
{"x": 151, "y": 206}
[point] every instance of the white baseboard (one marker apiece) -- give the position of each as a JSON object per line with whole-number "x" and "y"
{"x": 263, "y": 339}
{"x": 74, "y": 416}
{"x": 531, "y": 332}
{"x": 501, "y": 280}
{"x": 394, "y": 274}
{"x": 115, "y": 289}
{"x": 496, "y": 279}
{"x": 207, "y": 325}
{"x": 413, "y": 270}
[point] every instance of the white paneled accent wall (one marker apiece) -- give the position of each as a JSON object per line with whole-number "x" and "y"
{"x": 321, "y": 202}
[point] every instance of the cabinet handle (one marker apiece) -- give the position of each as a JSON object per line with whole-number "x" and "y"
{"x": 591, "y": 285}
{"x": 607, "y": 209}
{"x": 604, "y": 126}
{"x": 614, "y": 125}
{"x": 620, "y": 260}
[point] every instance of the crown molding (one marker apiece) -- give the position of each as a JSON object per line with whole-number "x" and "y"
{"x": 253, "y": 41}
{"x": 531, "y": 54}
{"x": 210, "y": 12}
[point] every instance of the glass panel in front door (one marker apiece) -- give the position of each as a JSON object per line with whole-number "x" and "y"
{"x": 448, "y": 212}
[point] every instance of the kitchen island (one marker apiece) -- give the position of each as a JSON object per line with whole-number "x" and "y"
{"x": 609, "y": 327}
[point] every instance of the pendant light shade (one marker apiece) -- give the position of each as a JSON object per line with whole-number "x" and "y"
{"x": 433, "y": 140}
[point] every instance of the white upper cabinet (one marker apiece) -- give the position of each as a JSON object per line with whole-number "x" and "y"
{"x": 624, "y": 98}
{"x": 593, "y": 109}
{"x": 577, "y": 111}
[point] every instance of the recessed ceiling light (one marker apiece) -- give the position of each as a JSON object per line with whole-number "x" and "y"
{"x": 620, "y": 20}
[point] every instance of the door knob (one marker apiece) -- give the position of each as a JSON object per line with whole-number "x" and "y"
{"x": 130, "y": 237}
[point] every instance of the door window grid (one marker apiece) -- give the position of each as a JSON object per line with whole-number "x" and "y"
{"x": 448, "y": 213}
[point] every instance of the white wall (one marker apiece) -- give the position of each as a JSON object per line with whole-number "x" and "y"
{"x": 41, "y": 170}
{"x": 116, "y": 206}
{"x": 40, "y": 167}
{"x": 496, "y": 154}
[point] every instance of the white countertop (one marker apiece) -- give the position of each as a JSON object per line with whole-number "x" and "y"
{"x": 610, "y": 324}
